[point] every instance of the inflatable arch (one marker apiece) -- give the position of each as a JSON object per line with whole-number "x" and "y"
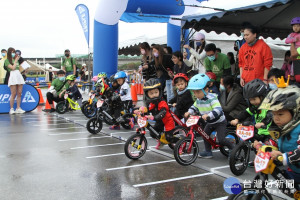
{"x": 106, "y": 26}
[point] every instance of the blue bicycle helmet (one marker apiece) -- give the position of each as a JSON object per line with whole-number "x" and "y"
{"x": 120, "y": 74}
{"x": 198, "y": 82}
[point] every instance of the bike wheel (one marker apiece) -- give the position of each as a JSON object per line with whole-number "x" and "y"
{"x": 84, "y": 103}
{"x": 90, "y": 110}
{"x": 132, "y": 149}
{"x": 94, "y": 125}
{"x": 182, "y": 154}
{"x": 233, "y": 138}
{"x": 62, "y": 107}
{"x": 178, "y": 134}
{"x": 239, "y": 158}
{"x": 251, "y": 194}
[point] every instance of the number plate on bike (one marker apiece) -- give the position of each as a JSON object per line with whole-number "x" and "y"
{"x": 261, "y": 161}
{"x": 66, "y": 96}
{"x": 192, "y": 121}
{"x": 142, "y": 121}
{"x": 245, "y": 132}
{"x": 99, "y": 103}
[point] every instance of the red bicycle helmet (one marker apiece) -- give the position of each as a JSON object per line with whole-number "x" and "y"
{"x": 211, "y": 76}
{"x": 180, "y": 75}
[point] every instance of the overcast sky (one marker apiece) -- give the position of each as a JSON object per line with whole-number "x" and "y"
{"x": 43, "y": 28}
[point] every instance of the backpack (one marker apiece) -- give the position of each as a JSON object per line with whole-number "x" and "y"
{"x": 72, "y": 63}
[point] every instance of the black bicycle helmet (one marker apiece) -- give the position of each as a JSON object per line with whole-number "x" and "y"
{"x": 149, "y": 85}
{"x": 255, "y": 88}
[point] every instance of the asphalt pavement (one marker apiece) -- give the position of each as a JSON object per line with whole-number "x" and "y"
{"x": 53, "y": 156}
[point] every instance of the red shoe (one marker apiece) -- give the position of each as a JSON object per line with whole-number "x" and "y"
{"x": 159, "y": 145}
{"x": 114, "y": 127}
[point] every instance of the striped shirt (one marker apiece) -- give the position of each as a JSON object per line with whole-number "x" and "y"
{"x": 209, "y": 105}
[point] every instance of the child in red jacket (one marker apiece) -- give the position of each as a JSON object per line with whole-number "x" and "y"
{"x": 160, "y": 110}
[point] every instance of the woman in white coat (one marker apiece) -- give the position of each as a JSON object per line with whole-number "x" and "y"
{"x": 197, "y": 55}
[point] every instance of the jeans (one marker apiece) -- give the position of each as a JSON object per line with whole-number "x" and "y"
{"x": 69, "y": 73}
{"x": 169, "y": 89}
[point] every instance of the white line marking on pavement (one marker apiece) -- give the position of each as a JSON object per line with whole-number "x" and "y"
{"x": 123, "y": 132}
{"x": 172, "y": 179}
{"x": 54, "y": 129}
{"x": 107, "y": 155}
{"x": 52, "y": 124}
{"x": 90, "y": 138}
{"x": 115, "y": 154}
{"x": 101, "y": 145}
{"x": 146, "y": 164}
{"x": 44, "y": 121}
{"x": 66, "y": 133}
{"x": 221, "y": 198}
{"x": 82, "y": 120}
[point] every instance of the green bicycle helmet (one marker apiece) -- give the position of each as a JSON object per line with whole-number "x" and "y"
{"x": 284, "y": 99}
{"x": 71, "y": 78}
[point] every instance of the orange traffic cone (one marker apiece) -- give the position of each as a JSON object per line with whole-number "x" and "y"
{"x": 138, "y": 88}
{"x": 49, "y": 85}
{"x": 42, "y": 102}
{"x": 142, "y": 91}
{"x": 133, "y": 92}
{"x": 47, "y": 107}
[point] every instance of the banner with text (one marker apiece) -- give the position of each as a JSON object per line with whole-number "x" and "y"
{"x": 83, "y": 16}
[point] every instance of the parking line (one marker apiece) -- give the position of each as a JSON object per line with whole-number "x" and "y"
{"x": 172, "y": 179}
{"x": 66, "y": 133}
{"x": 83, "y": 138}
{"x": 52, "y": 124}
{"x": 101, "y": 145}
{"x": 46, "y": 129}
{"x": 115, "y": 154}
{"x": 146, "y": 164}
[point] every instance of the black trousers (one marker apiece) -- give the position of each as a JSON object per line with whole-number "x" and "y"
{"x": 51, "y": 98}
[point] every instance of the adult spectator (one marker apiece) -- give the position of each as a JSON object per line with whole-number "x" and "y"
{"x": 215, "y": 62}
{"x": 83, "y": 76}
{"x": 179, "y": 65}
{"x": 232, "y": 63}
{"x": 239, "y": 43}
{"x": 55, "y": 92}
{"x": 164, "y": 68}
{"x": 50, "y": 74}
{"x": 198, "y": 54}
{"x": 168, "y": 50}
{"x": 287, "y": 65}
{"x": 232, "y": 99}
{"x": 3, "y": 70}
{"x": 15, "y": 81}
{"x": 148, "y": 71}
{"x": 295, "y": 54}
{"x": 21, "y": 60}
{"x": 218, "y": 50}
{"x": 255, "y": 57}
{"x": 69, "y": 64}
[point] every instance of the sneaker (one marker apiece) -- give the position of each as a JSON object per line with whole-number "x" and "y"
{"x": 52, "y": 110}
{"x": 159, "y": 145}
{"x": 251, "y": 164}
{"x": 206, "y": 154}
{"x": 131, "y": 123}
{"x": 12, "y": 111}
{"x": 114, "y": 127}
{"x": 19, "y": 111}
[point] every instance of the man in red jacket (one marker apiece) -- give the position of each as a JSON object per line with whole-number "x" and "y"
{"x": 255, "y": 57}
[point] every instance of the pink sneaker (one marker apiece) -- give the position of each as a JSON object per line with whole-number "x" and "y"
{"x": 131, "y": 123}
{"x": 114, "y": 127}
{"x": 159, "y": 145}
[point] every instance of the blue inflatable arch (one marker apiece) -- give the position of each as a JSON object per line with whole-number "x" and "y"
{"x": 108, "y": 15}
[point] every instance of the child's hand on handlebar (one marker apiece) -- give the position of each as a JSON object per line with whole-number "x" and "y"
{"x": 205, "y": 117}
{"x": 275, "y": 154}
{"x": 259, "y": 125}
{"x": 234, "y": 122}
{"x": 186, "y": 115}
{"x": 257, "y": 144}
